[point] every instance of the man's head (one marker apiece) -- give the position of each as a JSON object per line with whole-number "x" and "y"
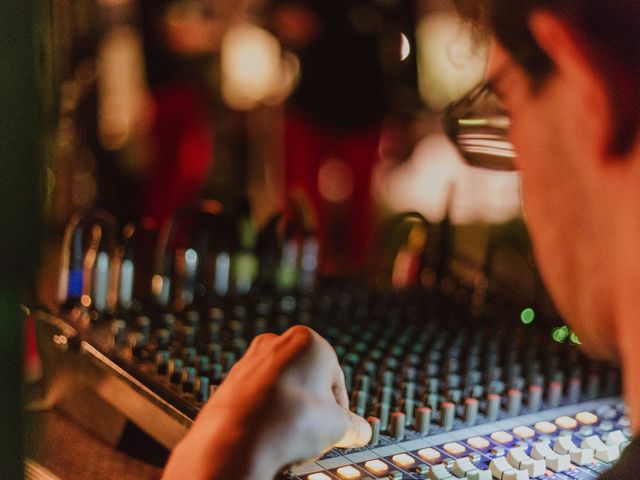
{"x": 566, "y": 72}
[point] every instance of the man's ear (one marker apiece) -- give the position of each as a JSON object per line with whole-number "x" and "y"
{"x": 568, "y": 50}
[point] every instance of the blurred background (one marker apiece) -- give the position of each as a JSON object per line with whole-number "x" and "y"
{"x": 263, "y": 104}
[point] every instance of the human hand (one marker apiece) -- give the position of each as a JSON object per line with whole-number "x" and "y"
{"x": 284, "y": 402}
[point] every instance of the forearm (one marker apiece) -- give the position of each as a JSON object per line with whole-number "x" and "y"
{"x": 228, "y": 453}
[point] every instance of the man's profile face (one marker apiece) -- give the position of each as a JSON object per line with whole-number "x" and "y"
{"x": 546, "y": 133}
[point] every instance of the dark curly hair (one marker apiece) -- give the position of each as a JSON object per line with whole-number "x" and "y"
{"x": 610, "y": 28}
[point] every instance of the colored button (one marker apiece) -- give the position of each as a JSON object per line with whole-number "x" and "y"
{"x": 566, "y": 423}
{"x": 545, "y": 427}
{"x": 502, "y": 437}
{"x": 348, "y": 472}
{"x": 430, "y": 454}
{"x": 403, "y": 460}
{"x": 318, "y": 476}
{"x": 586, "y": 418}
{"x": 478, "y": 442}
{"x": 377, "y": 467}
{"x": 454, "y": 449}
{"x": 523, "y": 432}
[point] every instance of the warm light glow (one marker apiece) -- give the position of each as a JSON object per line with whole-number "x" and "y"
{"x": 121, "y": 86}
{"x": 250, "y": 60}
{"x": 405, "y": 47}
{"x": 156, "y": 284}
{"x": 449, "y": 63}
{"x": 434, "y": 171}
{"x": 85, "y": 301}
{"x": 335, "y": 180}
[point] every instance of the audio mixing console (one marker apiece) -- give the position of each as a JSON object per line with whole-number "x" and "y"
{"x": 449, "y": 394}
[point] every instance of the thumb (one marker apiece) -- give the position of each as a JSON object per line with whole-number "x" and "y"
{"x": 358, "y": 432}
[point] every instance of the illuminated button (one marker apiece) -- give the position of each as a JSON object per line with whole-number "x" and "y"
{"x": 454, "y": 449}
{"x": 403, "y": 460}
{"x": 567, "y": 423}
{"x": 478, "y": 442}
{"x": 377, "y": 467}
{"x": 586, "y": 418}
{"x": 523, "y": 432}
{"x": 502, "y": 437}
{"x": 430, "y": 454}
{"x": 348, "y": 472}
{"x": 545, "y": 427}
{"x": 318, "y": 476}
{"x": 393, "y": 476}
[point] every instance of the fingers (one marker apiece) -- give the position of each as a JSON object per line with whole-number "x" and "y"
{"x": 260, "y": 342}
{"x": 358, "y": 432}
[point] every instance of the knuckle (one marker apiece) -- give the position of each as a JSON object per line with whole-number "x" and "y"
{"x": 300, "y": 331}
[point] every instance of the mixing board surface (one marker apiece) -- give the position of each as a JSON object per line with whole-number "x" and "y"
{"x": 449, "y": 394}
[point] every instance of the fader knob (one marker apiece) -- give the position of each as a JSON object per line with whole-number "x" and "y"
{"x": 189, "y": 336}
{"x": 119, "y": 330}
{"x": 163, "y": 337}
{"x": 374, "y": 422}
{"x": 202, "y": 388}
{"x": 397, "y": 427}
{"x": 514, "y": 402}
{"x": 493, "y": 406}
{"x": 447, "y": 415}
{"x": 423, "y": 420}
{"x": 162, "y": 361}
{"x": 143, "y": 323}
{"x": 169, "y": 322}
{"x": 175, "y": 370}
{"x": 188, "y": 379}
{"x": 555, "y": 394}
{"x": 471, "y": 406}
{"x": 534, "y": 401}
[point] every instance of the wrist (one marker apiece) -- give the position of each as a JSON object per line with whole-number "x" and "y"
{"x": 223, "y": 451}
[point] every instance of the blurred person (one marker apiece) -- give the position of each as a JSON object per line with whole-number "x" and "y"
{"x": 566, "y": 73}
{"x": 350, "y": 55}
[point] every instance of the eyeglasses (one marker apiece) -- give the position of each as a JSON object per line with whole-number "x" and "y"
{"x": 478, "y": 126}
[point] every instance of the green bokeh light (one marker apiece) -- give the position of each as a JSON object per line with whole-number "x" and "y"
{"x": 527, "y": 316}
{"x": 560, "y": 334}
{"x": 574, "y": 339}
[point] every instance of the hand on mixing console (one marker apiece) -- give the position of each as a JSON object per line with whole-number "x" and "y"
{"x": 283, "y": 403}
